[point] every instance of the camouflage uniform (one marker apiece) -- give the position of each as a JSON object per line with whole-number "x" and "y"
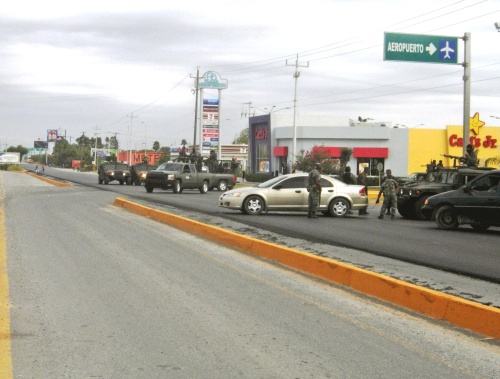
{"x": 389, "y": 188}
{"x": 314, "y": 193}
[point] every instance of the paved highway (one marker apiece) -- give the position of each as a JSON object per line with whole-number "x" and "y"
{"x": 465, "y": 252}
{"x": 96, "y": 291}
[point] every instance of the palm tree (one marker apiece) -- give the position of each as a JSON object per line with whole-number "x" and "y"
{"x": 492, "y": 162}
{"x": 345, "y": 156}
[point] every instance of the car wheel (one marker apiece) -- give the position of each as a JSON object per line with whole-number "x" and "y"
{"x": 149, "y": 189}
{"x": 177, "y": 186}
{"x": 222, "y": 186}
{"x": 446, "y": 218}
{"x": 204, "y": 187}
{"x": 339, "y": 207}
{"x": 480, "y": 227}
{"x": 106, "y": 180}
{"x": 253, "y": 205}
{"x": 121, "y": 182}
{"x": 418, "y": 207}
{"x": 407, "y": 209}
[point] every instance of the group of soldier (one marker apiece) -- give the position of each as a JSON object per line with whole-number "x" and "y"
{"x": 389, "y": 187}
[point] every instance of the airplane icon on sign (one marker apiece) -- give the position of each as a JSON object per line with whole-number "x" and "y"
{"x": 447, "y": 50}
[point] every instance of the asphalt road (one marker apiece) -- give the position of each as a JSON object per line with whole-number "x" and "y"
{"x": 96, "y": 291}
{"x": 465, "y": 252}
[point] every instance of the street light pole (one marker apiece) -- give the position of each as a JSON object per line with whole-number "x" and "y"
{"x": 296, "y": 76}
{"x": 145, "y": 137}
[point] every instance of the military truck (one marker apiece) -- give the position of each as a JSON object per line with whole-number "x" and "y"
{"x": 412, "y": 195}
{"x": 114, "y": 171}
{"x": 138, "y": 172}
{"x": 180, "y": 176}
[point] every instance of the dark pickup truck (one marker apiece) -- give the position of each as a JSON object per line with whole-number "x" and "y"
{"x": 180, "y": 176}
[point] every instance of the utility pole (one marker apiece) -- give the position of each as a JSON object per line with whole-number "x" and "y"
{"x": 249, "y": 110}
{"x": 197, "y": 78}
{"x": 130, "y": 138}
{"x": 296, "y": 76}
{"x": 95, "y": 148}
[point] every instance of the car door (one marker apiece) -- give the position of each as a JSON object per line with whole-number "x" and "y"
{"x": 328, "y": 190}
{"x": 483, "y": 204}
{"x": 289, "y": 194}
{"x": 189, "y": 177}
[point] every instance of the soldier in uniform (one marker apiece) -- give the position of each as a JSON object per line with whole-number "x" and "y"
{"x": 470, "y": 157}
{"x": 314, "y": 188}
{"x": 212, "y": 162}
{"x": 389, "y": 188}
{"x": 362, "y": 181}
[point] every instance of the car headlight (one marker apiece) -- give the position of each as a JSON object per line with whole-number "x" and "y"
{"x": 234, "y": 194}
{"x": 171, "y": 177}
{"x": 110, "y": 173}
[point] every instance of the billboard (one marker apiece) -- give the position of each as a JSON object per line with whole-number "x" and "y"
{"x": 41, "y": 145}
{"x": 10, "y": 157}
{"x": 52, "y": 135}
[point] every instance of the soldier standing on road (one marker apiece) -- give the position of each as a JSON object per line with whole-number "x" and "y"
{"x": 362, "y": 181}
{"x": 314, "y": 188}
{"x": 389, "y": 188}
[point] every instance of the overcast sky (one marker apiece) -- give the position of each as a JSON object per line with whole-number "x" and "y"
{"x": 88, "y": 66}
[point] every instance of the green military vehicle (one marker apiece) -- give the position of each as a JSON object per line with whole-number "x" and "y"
{"x": 114, "y": 171}
{"x": 412, "y": 195}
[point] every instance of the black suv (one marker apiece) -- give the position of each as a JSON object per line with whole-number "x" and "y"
{"x": 114, "y": 171}
{"x": 412, "y": 195}
{"x": 477, "y": 203}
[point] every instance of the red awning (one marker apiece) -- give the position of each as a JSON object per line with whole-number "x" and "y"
{"x": 280, "y": 151}
{"x": 370, "y": 152}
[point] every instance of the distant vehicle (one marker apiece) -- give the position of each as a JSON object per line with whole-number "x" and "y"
{"x": 289, "y": 193}
{"x": 477, "y": 203}
{"x": 138, "y": 172}
{"x": 114, "y": 171}
{"x": 412, "y": 195}
{"x": 180, "y": 176}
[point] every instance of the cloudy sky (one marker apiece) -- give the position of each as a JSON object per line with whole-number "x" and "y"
{"x": 127, "y": 67}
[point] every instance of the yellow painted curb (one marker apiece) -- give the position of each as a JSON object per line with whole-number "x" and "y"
{"x": 53, "y": 182}
{"x": 5, "y": 336}
{"x": 464, "y": 313}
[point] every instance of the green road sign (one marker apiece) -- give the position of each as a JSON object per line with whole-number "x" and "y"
{"x": 420, "y": 48}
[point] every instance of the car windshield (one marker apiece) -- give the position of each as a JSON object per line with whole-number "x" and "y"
{"x": 171, "y": 166}
{"x": 117, "y": 166}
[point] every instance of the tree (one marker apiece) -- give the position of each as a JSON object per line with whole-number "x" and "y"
{"x": 64, "y": 153}
{"x": 242, "y": 138}
{"x": 113, "y": 143}
{"x": 84, "y": 142}
{"x": 18, "y": 149}
{"x": 166, "y": 154}
{"x": 156, "y": 146}
{"x": 306, "y": 161}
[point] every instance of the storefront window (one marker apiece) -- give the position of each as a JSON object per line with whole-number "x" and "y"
{"x": 263, "y": 157}
{"x": 375, "y": 165}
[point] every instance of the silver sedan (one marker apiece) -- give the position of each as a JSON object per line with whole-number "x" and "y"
{"x": 289, "y": 193}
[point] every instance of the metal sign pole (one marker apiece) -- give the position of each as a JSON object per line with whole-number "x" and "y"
{"x": 467, "y": 78}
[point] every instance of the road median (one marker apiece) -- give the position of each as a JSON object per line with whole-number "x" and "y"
{"x": 460, "y": 312}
